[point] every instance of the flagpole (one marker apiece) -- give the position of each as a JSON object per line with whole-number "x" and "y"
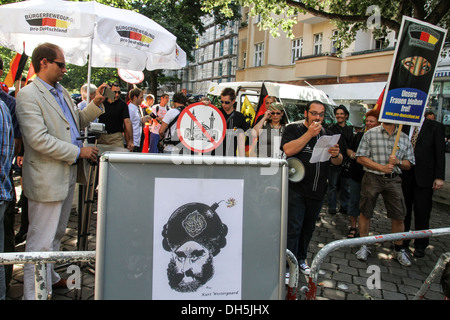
{"x": 88, "y": 89}
{"x": 89, "y": 71}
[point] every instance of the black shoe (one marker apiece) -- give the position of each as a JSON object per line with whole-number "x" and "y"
{"x": 332, "y": 211}
{"x": 20, "y": 237}
{"x": 419, "y": 252}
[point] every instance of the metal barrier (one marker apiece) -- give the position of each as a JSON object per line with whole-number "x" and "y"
{"x": 435, "y": 273}
{"x": 320, "y": 256}
{"x": 40, "y": 260}
{"x": 293, "y": 276}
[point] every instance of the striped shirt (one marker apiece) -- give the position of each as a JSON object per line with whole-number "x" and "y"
{"x": 6, "y": 152}
{"x": 377, "y": 145}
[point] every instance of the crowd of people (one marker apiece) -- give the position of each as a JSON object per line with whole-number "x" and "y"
{"x": 365, "y": 163}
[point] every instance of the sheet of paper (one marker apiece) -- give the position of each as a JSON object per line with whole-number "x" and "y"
{"x": 320, "y": 151}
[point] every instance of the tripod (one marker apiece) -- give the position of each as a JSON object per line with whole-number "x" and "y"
{"x": 87, "y": 202}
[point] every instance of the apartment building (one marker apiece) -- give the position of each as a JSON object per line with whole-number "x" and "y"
{"x": 215, "y": 57}
{"x": 355, "y": 78}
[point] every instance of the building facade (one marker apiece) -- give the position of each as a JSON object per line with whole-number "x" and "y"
{"x": 355, "y": 78}
{"x": 215, "y": 57}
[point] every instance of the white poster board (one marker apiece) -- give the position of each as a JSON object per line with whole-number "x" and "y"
{"x": 197, "y": 266}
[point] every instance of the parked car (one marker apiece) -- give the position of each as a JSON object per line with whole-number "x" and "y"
{"x": 294, "y": 98}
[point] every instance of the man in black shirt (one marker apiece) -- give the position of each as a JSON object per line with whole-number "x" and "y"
{"x": 117, "y": 122}
{"x": 335, "y": 177}
{"x": 305, "y": 198}
{"x": 236, "y": 126}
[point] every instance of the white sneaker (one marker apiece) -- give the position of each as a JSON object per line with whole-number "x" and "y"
{"x": 363, "y": 253}
{"x": 402, "y": 257}
{"x": 304, "y": 268}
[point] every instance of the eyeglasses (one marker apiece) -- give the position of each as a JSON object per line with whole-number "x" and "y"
{"x": 321, "y": 115}
{"x": 61, "y": 65}
{"x": 277, "y": 113}
{"x": 116, "y": 92}
{"x": 225, "y": 102}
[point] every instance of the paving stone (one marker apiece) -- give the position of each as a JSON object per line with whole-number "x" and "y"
{"x": 339, "y": 268}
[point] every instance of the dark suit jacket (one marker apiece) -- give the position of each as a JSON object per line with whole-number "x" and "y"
{"x": 429, "y": 154}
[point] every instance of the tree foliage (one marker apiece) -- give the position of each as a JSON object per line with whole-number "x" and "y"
{"x": 349, "y": 15}
{"x": 180, "y": 17}
{"x": 183, "y": 18}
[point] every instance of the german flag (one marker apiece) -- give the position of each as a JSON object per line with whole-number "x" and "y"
{"x": 31, "y": 74}
{"x": 379, "y": 101}
{"x": 49, "y": 22}
{"x": 424, "y": 36}
{"x": 262, "y": 108}
{"x": 135, "y": 36}
{"x": 16, "y": 67}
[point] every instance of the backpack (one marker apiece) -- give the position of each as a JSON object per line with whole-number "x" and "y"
{"x": 168, "y": 139}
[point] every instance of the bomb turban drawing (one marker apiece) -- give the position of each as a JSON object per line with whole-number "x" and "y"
{"x": 194, "y": 234}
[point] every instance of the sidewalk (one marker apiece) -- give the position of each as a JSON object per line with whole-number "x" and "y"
{"x": 342, "y": 276}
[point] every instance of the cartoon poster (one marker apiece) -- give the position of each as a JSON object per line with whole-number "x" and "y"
{"x": 415, "y": 60}
{"x": 197, "y": 244}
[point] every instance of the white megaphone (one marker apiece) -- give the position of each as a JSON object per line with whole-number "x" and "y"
{"x": 296, "y": 170}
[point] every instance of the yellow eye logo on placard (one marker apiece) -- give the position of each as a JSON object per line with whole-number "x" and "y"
{"x": 417, "y": 66}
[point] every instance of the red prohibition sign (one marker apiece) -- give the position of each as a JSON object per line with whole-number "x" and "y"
{"x": 192, "y": 129}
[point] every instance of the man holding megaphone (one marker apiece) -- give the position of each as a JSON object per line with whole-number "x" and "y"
{"x": 305, "y": 198}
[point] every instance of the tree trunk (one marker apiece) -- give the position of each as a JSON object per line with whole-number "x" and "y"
{"x": 154, "y": 83}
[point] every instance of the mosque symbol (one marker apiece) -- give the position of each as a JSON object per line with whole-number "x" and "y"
{"x": 195, "y": 133}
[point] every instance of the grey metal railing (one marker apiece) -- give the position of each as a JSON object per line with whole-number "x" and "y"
{"x": 320, "y": 256}
{"x": 40, "y": 260}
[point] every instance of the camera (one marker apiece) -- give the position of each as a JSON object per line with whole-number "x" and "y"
{"x": 96, "y": 128}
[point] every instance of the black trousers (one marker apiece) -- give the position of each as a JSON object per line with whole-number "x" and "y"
{"x": 419, "y": 202}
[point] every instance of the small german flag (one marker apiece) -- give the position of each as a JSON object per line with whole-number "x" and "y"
{"x": 424, "y": 36}
{"x": 16, "y": 67}
{"x": 49, "y": 22}
{"x": 135, "y": 36}
{"x": 379, "y": 101}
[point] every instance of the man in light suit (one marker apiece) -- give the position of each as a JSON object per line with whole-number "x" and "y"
{"x": 427, "y": 175}
{"x": 50, "y": 125}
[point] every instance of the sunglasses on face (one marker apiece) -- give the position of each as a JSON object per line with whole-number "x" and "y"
{"x": 61, "y": 65}
{"x": 225, "y": 102}
{"x": 277, "y": 113}
{"x": 321, "y": 115}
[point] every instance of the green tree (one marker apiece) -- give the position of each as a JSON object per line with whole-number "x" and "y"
{"x": 183, "y": 19}
{"x": 349, "y": 16}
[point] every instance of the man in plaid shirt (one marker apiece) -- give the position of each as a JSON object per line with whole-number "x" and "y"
{"x": 382, "y": 176}
{"x": 6, "y": 186}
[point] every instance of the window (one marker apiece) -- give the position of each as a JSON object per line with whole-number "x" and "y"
{"x": 221, "y": 48}
{"x": 296, "y": 50}
{"x": 259, "y": 54}
{"x": 230, "y": 49}
{"x": 334, "y": 44}
{"x": 379, "y": 43}
{"x": 244, "y": 60}
{"x": 318, "y": 43}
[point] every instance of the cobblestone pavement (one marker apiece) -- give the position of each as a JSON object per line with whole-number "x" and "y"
{"x": 342, "y": 276}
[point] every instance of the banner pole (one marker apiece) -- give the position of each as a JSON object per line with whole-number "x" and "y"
{"x": 397, "y": 138}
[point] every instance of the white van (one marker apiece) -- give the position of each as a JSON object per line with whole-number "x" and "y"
{"x": 294, "y": 98}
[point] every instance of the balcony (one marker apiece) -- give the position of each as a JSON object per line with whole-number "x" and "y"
{"x": 308, "y": 18}
{"x": 370, "y": 62}
{"x": 318, "y": 66}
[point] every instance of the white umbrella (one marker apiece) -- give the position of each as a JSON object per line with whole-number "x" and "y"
{"x": 111, "y": 37}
